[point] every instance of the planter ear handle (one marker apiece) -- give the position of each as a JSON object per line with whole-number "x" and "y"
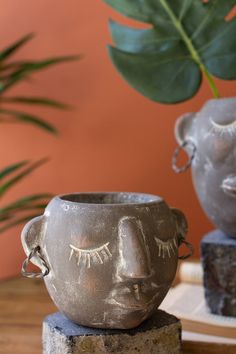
{"x": 31, "y": 238}
{"x": 184, "y": 144}
{"x": 184, "y": 133}
{"x": 182, "y": 229}
{"x": 34, "y": 253}
{"x": 190, "y": 248}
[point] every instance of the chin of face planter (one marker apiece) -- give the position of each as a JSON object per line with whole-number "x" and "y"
{"x": 108, "y": 259}
{"x": 209, "y": 138}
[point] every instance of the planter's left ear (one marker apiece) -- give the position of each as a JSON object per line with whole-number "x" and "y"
{"x": 183, "y": 127}
{"x": 184, "y": 134}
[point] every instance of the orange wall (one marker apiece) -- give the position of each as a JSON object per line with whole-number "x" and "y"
{"x": 115, "y": 139}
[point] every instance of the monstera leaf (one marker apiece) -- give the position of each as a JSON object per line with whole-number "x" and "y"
{"x": 187, "y": 38}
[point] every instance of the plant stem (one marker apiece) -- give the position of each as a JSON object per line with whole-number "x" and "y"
{"x": 191, "y": 47}
{"x": 211, "y": 82}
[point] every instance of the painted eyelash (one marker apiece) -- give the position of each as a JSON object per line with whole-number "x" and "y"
{"x": 224, "y": 128}
{"x": 99, "y": 253}
{"x": 166, "y": 247}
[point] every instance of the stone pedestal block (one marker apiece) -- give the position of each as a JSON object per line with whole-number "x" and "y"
{"x": 160, "y": 334}
{"x": 218, "y": 253}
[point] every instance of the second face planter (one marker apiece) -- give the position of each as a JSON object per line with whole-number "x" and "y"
{"x": 209, "y": 137}
{"x": 108, "y": 259}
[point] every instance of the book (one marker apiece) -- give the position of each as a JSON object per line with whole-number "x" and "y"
{"x": 191, "y": 272}
{"x": 187, "y": 302}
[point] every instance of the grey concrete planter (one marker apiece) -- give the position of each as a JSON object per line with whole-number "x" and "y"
{"x": 108, "y": 259}
{"x": 209, "y": 137}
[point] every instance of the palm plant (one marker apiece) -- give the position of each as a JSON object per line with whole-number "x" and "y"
{"x": 13, "y": 72}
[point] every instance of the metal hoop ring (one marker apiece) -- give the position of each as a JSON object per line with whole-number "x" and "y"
{"x": 33, "y": 253}
{"x": 176, "y": 155}
{"x": 189, "y": 246}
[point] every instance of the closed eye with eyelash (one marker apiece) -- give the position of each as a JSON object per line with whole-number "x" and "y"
{"x": 166, "y": 247}
{"x": 92, "y": 255}
{"x": 223, "y": 129}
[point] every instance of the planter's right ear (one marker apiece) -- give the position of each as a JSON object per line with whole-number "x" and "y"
{"x": 183, "y": 127}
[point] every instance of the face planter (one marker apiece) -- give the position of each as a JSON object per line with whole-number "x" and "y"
{"x": 209, "y": 137}
{"x": 108, "y": 259}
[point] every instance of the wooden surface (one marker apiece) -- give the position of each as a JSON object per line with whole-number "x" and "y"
{"x": 23, "y": 305}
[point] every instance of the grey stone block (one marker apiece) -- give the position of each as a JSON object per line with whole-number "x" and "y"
{"x": 218, "y": 252}
{"x": 160, "y": 334}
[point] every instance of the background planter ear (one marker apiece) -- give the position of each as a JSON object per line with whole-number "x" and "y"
{"x": 184, "y": 134}
{"x": 183, "y": 127}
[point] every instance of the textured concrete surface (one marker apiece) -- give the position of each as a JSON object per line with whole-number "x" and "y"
{"x": 112, "y": 256}
{"x": 160, "y": 334}
{"x": 214, "y": 164}
{"x": 219, "y": 265}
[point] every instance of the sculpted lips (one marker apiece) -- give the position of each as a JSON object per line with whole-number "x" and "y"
{"x": 137, "y": 296}
{"x": 229, "y": 186}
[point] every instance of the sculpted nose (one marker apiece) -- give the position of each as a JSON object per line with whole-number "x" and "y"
{"x": 134, "y": 260}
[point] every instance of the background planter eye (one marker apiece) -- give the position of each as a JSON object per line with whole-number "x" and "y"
{"x": 221, "y": 129}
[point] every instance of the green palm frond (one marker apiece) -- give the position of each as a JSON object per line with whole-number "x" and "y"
{"x": 18, "y": 211}
{"x": 12, "y": 73}
{"x": 15, "y": 72}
